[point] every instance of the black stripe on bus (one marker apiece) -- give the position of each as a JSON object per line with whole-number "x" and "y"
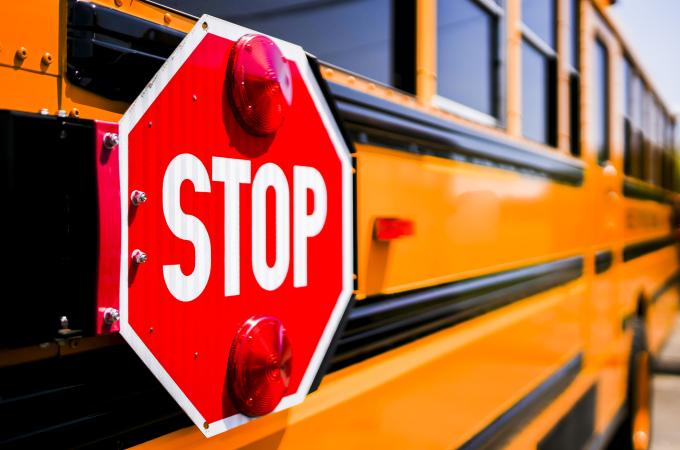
{"x": 380, "y": 122}
{"x": 638, "y": 249}
{"x": 670, "y": 282}
{"x": 632, "y": 189}
{"x": 380, "y": 323}
{"x": 498, "y": 433}
{"x": 600, "y": 440}
{"x": 603, "y": 261}
{"x": 576, "y": 428}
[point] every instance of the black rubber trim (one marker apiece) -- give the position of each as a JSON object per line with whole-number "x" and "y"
{"x": 632, "y": 189}
{"x": 380, "y": 323}
{"x": 576, "y": 428}
{"x": 638, "y": 249}
{"x": 603, "y": 261}
{"x": 114, "y": 54}
{"x": 326, "y": 361}
{"x": 600, "y": 440}
{"x": 499, "y": 432}
{"x": 380, "y": 122}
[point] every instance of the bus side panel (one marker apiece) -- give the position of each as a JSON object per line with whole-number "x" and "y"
{"x": 469, "y": 220}
{"x": 437, "y": 392}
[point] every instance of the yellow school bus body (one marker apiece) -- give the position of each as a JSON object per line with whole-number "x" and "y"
{"x": 443, "y": 389}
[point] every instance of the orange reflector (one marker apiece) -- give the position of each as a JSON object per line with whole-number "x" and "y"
{"x": 387, "y": 229}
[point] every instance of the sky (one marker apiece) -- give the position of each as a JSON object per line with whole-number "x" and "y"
{"x": 651, "y": 29}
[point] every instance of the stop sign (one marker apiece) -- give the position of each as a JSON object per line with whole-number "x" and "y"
{"x": 237, "y": 220}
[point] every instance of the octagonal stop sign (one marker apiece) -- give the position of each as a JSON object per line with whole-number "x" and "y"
{"x": 236, "y": 238}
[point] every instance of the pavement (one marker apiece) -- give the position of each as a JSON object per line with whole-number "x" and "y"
{"x": 666, "y": 407}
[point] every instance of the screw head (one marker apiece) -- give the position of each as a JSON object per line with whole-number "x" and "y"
{"x": 22, "y": 53}
{"x": 110, "y": 140}
{"x": 63, "y": 322}
{"x": 139, "y": 257}
{"x": 61, "y": 113}
{"x": 138, "y": 197}
{"x": 111, "y": 316}
{"x": 46, "y": 58}
{"x": 44, "y": 111}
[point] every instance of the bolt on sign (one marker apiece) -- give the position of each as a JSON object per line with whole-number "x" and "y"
{"x": 237, "y": 220}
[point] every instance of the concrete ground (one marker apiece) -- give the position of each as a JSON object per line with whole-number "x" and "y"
{"x": 666, "y": 410}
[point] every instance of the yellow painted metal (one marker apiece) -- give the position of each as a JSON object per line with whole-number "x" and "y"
{"x": 514, "y": 68}
{"x": 530, "y": 436}
{"x": 27, "y": 34}
{"x": 151, "y": 12}
{"x": 426, "y": 49}
{"x": 469, "y": 220}
{"x": 563, "y": 74}
{"x": 35, "y": 30}
{"x": 24, "y": 90}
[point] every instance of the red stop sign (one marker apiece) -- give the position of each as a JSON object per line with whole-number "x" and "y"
{"x": 237, "y": 227}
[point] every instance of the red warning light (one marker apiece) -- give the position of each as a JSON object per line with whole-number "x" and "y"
{"x": 259, "y": 366}
{"x": 260, "y": 84}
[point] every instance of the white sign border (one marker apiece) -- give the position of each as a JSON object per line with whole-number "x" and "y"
{"x": 127, "y": 123}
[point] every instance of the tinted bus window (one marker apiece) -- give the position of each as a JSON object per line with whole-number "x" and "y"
{"x": 575, "y": 12}
{"x": 353, "y": 34}
{"x": 539, "y": 16}
{"x": 601, "y": 101}
{"x": 466, "y": 54}
{"x": 535, "y": 94}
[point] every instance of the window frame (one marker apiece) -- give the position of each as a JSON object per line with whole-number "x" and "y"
{"x": 498, "y": 72}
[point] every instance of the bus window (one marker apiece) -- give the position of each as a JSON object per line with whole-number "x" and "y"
{"x": 539, "y": 17}
{"x": 645, "y": 172}
{"x": 354, "y": 35}
{"x": 628, "y": 77}
{"x": 601, "y": 101}
{"x": 539, "y": 65}
{"x": 574, "y": 79}
{"x": 467, "y": 53}
{"x": 574, "y": 31}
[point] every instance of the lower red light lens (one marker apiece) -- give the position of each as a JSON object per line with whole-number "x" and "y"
{"x": 259, "y": 366}
{"x": 260, "y": 84}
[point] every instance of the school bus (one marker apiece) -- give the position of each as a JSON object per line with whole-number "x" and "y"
{"x": 524, "y": 153}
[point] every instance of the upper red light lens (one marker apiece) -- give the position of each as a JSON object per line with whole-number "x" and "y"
{"x": 261, "y": 87}
{"x": 259, "y": 367}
